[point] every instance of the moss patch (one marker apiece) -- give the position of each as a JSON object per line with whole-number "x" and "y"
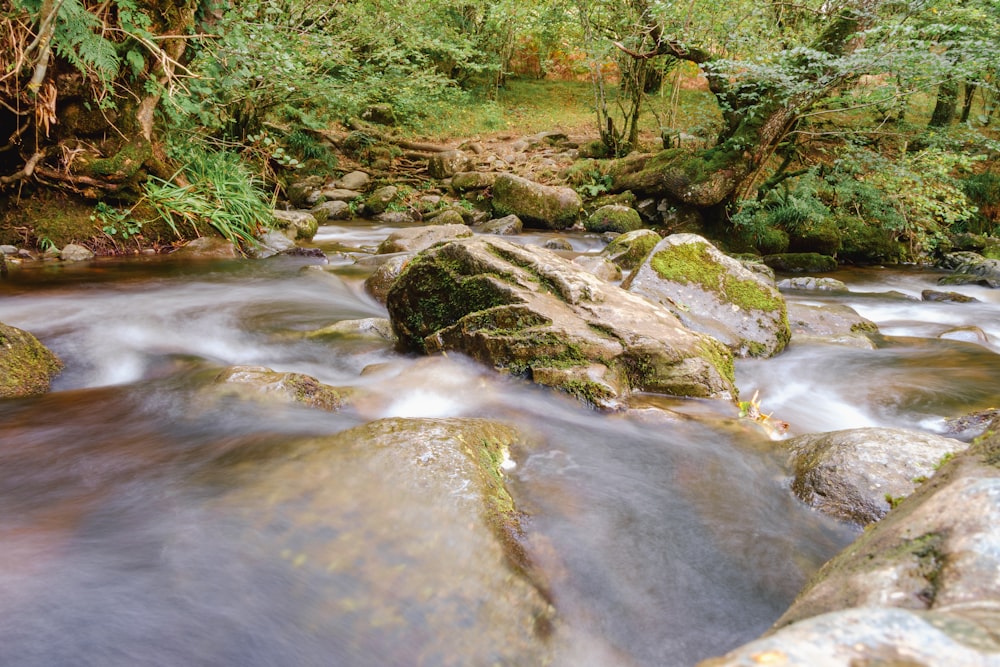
{"x": 692, "y": 263}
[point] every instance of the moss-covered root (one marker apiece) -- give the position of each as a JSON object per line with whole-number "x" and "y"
{"x": 26, "y": 366}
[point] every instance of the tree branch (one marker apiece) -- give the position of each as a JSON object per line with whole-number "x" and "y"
{"x": 25, "y": 172}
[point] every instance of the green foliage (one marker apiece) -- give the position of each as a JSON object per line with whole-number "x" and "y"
{"x": 221, "y": 192}
{"x": 116, "y": 222}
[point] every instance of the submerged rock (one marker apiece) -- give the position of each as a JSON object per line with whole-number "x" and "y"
{"x": 73, "y": 252}
{"x": 259, "y": 383}
{"x": 920, "y": 587}
{"x": 416, "y": 239}
{"x": 859, "y": 474}
{"x": 26, "y": 366}
{"x": 378, "y": 283}
{"x": 529, "y": 311}
{"x": 408, "y": 537}
{"x": 714, "y": 294}
{"x": 825, "y": 321}
{"x": 535, "y": 204}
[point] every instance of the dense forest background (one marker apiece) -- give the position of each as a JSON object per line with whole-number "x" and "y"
{"x": 868, "y": 123}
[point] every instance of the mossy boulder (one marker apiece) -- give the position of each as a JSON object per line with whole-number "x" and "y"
{"x": 801, "y": 262}
{"x": 263, "y": 384}
{"x": 448, "y": 163}
{"x": 468, "y": 181}
{"x": 864, "y": 243}
{"x": 408, "y": 537}
{"x": 416, "y": 239}
{"x": 379, "y": 201}
{"x": 378, "y": 283}
{"x": 822, "y": 237}
{"x": 714, "y": 294}
{"x": 26, "y": 366}
{"x": 630, "y": 249}
{"x": 613, "y": 218}
{"x": 296, "y": 225}
{"x": 529, "y": 312}
{"x": 537, "y": 205}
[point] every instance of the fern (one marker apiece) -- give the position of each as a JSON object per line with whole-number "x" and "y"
{"x": 77, "y": 39}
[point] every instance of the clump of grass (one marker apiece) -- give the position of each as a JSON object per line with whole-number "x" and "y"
{"x": 220, "y": 192}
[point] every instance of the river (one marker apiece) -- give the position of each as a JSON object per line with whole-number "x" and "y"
{"x": 676, "y": 534}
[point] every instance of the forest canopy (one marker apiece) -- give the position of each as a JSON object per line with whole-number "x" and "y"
{"x": 871, "y": 116}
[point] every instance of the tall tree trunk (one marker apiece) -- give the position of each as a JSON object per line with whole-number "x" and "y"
{"x": 970, "y": 95}
{"x": 946, "y": 105}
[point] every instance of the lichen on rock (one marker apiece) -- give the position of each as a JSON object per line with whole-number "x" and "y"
{"x": 26, "y": 366}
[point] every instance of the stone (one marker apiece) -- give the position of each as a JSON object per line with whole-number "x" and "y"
{"x": 952, "y": 297}
{"x": 305, "y": 193}
{"x": 378, "y": 283}
{"x": 602, "y": 267}
{"x": 72, "y": 252}
{"x": 296, "y": 225}
{"x": 713, "y": 294}
{"x": 559, "y": 243}
{"x": 509, "y": 225}
{"x": 444, "y": 511}
{"x": 969, "y": 334}
{"x": 394, "y": 217}
{"x": 970, "y": 269}
{"x": 630, "y": 249}
{"x": 8, "y": 250}
{"x": 537, "y": 205}
{"x": 340, "y": 194}
{"x": 448, "y": 216}
{"x": 26, "y": 366}
{"x": 448, "y": 163}
{"x": 354, "y": 180}
{"x": 613, "y": 218}
{"x": 332, "y": 210}
{"x": 813, "y": 284}
{"x": 829, "y": 320}
{"x": 380, "y": 114}
{"x": 207, "y": 247}
{"x": 378, "y": 328}
{"x": 529, "y": 312}
{"x": 468, "y": 181}
{"x": 379, "y": 200}
{"x": 259, "y": 383}
{"x": 416, "y": 239}
{"x": 858, "y": 474}
{"x": 271, "y": 243}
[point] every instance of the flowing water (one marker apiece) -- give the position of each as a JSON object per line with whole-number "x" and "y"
{"x": 670, "y": 533}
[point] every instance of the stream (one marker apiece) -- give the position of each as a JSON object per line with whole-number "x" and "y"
{"x": 676, "y": 533}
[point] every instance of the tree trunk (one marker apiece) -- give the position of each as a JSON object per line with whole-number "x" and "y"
{"x": 970, "y": 95}
{"x": 946, "y": 105}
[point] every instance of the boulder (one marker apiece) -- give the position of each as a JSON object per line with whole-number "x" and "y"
{"x": 532, "y": 313}
{"x": 305, "y": 193}
{"x": 714, "y": 294}
{"x": 416, "y": 239}
{"x": 378, "y": 283}
{"x": 829, "y": 320}
{"x": 357, "y": 513}
{"x": 613, "y": 218}
{"x": 970, "y": 269}
{"x": 259, "y": 383}
{"x": 72, "y": 252}
{"x": 509, "y": 225}
{"x": 559, "y": 243}
{"x": 26, "y": 366}
{"x": 953, "y": 297}
{"x": 630, "y": 249}
{"x": 537, "y": 205}
{"x": 207, "y": 247}
{"x": 374, "y": 328}
{"x": 296, "y": 225}
{"x": 448, "y": 216}
{"x": 378, "y": 201}
{"x": 354, "y": 180}
{"x": 394, "y": 217}
{"x": 472, "y": 180}
{"x": 920, "y": 587}
{"x": 380, "y": 114}
{"x": 271, "y": 243}
{"x": 332, "y": 210}
{"x": 859, "y": 474}
{"x": 448, "y": 163}
{"x": 340, "y": 194}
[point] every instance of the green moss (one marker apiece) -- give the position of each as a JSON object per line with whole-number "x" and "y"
{"x": 720, "y": 357}
{"x": 692, "y": 263}
{"x": 808, "y": 262}
{"x": 26, "y": 366}
{"x": 629, "y": 250}
{"x": 613, "y": 218}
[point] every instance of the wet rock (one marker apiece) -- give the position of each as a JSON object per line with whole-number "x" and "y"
{"x": 431, "y": 573}
{"x": 952, "y": 297}
{"x": 801, "y": 262}
{"x": 509, "y": 225}
{"x": 332, "y": 210}
{"x": 971, "y": 426}
{"x": 378, "y": 283}
{"x": 394, "y": 217}
{"x": 830, "y": 320}
{"x": 971, "y": 269}
{"x": 271, "y": 243}
{"x": 8, "y": 249}
{"x": 296, "y": 225}
{"x": 305, "y": 193}
{"x": 535, "y": 204}
{"x": 259, "y": 383}
{"x": 472, "y": 180}
{"x": 602, "y": 267}
{"x": 354, "y": 180}
{"x": 812, "y": 284}
{"x": 26, "y": 366}
{"x": 630, "y": 249}
{"x": 527, "y": 310}
{"x": 858, "y": 474}
{"x": 970, "y": 334}
{"x": 613, "y": 218}
{"x": 559, "y": 244}
{"x": 448, "y": 216}
{"x": 72, "y": 252}
{"x": 448, "y": 163}
{"x": 416, "y": 239}
{"x": 207, "y": 247}
{"x": 307, "y": 253}
{"x": 714, "y": 294}
{"x": 340, "y": 194}
{"x": 379, "y": 200}
{"x": 370, "y": 327}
